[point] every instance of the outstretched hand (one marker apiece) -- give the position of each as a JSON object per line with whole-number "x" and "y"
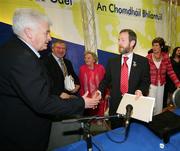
{"x": 91, "y": 102}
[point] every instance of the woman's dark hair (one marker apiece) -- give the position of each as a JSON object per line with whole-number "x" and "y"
{"x": 160, "y": 41}
{"x": 174, "y": 52}
{"x": 166, "y": 48}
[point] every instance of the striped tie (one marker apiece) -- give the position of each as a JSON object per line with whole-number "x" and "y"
{"x": 63, "y": 67}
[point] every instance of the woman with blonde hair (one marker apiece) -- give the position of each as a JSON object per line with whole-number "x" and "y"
{"x": 90, "y": 76}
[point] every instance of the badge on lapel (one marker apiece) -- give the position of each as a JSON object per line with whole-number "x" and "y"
{"x": 134, "y": 64}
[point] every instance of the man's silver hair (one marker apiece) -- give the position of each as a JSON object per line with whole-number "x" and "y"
{"x": 27, "y": 17}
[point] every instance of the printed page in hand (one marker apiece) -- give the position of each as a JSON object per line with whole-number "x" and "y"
{"x": 142, "y": 107}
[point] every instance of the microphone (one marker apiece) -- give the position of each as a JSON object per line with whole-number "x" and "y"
{"x": 129, "y": 109}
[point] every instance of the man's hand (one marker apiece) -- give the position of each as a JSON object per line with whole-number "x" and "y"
{"x": 91, "y": 102}
{"x": 138, "y": 93}
{"x": 97, "y": 94}
{"x": 64, "y": 95}
{"x": 107, "y": 97}
{"x": 76, "y": 89}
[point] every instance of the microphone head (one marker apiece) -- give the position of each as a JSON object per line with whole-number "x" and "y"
{"x": 129, "y": 107}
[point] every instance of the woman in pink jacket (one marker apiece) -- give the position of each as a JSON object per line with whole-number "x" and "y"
{"x": 90, "y": 76}
{"x": 160, "y": 64}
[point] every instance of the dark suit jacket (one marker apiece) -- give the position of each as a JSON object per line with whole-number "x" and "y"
{"x": 139, "y": 79}
{"x": 25, "y": 100}
{"x": 56, "y": 75}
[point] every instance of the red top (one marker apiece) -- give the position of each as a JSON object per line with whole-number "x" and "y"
{"x": 89, "y": 81}
{"x": 160, "y": 74}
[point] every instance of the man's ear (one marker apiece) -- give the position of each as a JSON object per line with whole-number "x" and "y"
{"x": 132, "y": 43}
{"x": 28, "y": 33}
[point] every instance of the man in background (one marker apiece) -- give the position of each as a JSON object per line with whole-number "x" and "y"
{"x": 55, "y": 64}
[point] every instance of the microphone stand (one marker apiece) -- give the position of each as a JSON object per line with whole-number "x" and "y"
{"x": 87, "y": 135}
{"x": 85, "y": 126}
{"x": 91, "y": 118}
{"x": 126, "y": 129}
{"x": 129, "y": 109}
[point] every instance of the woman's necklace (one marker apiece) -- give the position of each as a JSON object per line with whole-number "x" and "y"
{"x": 157, "y": 57}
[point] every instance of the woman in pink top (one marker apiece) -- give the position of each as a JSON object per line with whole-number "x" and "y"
{"x": 160, "y": 64}
{"x": 90, "y": 76}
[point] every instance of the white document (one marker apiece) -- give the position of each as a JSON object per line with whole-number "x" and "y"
{"x": 142, "y": 108}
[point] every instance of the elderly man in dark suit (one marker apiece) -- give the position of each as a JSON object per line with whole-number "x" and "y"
{"x": 25, "y": 101}
{"x": 135, "y": 80}
{"x": 56, "y": 73}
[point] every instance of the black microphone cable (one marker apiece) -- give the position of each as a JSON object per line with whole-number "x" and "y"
{"x": 125, "y": 131}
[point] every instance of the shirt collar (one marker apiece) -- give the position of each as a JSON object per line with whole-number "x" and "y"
{"x": 129, "y": 55}
{"x": 56, "y": 58}
{"x": 34, "y": 50}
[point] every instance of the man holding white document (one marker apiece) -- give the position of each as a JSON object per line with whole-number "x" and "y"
{"x": 128, "y": 73}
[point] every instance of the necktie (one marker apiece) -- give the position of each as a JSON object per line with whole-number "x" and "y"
{"x": 124, "y": 77}
{"x": 63, "y": 67}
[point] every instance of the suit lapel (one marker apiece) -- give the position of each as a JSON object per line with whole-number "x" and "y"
{"x": 26, "y": 48}
{"x": 133, "y": 72}
{"x": 117, "y": 72}
{"x": 56, "y": 65}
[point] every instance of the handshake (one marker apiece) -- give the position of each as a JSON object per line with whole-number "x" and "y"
{"x": 93, "y": 101}
{"x": 90, "y": 102}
